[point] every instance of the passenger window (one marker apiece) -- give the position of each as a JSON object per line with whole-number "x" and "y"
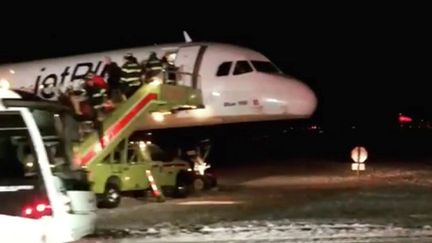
{"x": 118, "y": 153}
{"x": 224, "y": 69}
{"x": 242, "y": 67}
{"x": 132, "y": 156}
{"x": 117, "y": 156}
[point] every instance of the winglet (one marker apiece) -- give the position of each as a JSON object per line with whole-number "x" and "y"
{"x": 186, "y": 36}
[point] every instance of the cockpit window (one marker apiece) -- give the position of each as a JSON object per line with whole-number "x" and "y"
{"x": 242, "y": 67}
{"x": 224, "y": 69}
{"x": 265, "y": 67}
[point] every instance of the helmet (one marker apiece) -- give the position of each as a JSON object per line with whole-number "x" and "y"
{"x": 128, "y": 56}
{"x": 153, "y": 55}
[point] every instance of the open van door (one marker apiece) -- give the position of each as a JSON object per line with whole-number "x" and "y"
{"x": 38, "y": 202}
{"x": 25, "y": 208}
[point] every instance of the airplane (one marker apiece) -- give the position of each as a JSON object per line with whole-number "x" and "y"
{"x": 238, "y": 84}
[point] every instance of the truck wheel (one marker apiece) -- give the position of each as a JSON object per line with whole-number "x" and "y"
{"x": 182, "y": 187}
{"x": 211, "y": 182}
{"x": 111, "y": 197}
{"x": 199, "y": 183}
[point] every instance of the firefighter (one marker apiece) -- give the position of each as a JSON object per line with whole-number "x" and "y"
{"x": 170, "y": 71}
{"x": 153, "y": 67}
{"x": 130, "y": 76}
{"x": 112, "y": 73}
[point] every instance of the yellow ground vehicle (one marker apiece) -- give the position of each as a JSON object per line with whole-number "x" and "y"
{"x": 113, "y": 164}
{"x": 126, "y": 167}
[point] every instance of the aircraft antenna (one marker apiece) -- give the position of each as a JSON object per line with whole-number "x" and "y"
{"x": 186, "y": 36}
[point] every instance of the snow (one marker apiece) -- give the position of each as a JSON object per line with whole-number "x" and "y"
{"x": 387, "y": 203}
{"x": 289, "y": 180}
{"x": 282, "y": 230}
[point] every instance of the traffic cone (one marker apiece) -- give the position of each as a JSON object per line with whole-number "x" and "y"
{"x": 156, "y": 192}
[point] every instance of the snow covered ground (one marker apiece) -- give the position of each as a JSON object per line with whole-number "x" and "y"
{"x": 275, "y": 231}
{"x": 293, "y": 202}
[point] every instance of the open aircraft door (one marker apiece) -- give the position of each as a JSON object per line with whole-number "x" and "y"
{"x": 189, "y": 59}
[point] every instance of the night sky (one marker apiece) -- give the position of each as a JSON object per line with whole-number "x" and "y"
{"x": 374, "y": 60}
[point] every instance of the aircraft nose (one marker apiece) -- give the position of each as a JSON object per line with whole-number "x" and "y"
{"x": 302, "y": 101}
{"x": 295, "y": 97}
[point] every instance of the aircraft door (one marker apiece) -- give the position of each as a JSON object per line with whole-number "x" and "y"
{"x": 188, "y": 60}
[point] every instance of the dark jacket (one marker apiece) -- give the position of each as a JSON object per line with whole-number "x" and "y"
{"x": 113, "y": 71}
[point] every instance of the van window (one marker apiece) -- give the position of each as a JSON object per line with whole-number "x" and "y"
{"x": 242, "y": 67}
{"x": 132, "y": 156}
{"x": 118, "y": 152}
{"x": 21, "y": 185}
{"x": 224, "y": 69}
{"x": 59, "y": 130}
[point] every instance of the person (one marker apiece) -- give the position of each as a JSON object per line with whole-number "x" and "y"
{"x": 112, "y": 73}
{"x": 170, "y": 71}
{"x": 143, "y": 64}
{"x": 96, "y": 89}
{"x": 130, "y": 75}
{"x": 73, "y": 95}
{"x": 153, "y": 67}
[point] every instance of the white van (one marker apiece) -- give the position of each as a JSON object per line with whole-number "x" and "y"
{"x": 41, "y": 198}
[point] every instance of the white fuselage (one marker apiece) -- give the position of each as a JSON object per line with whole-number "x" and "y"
{"x": 247, "y": 88}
